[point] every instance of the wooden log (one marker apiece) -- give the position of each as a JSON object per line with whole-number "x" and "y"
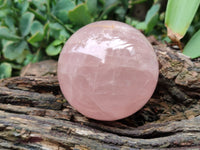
{"x": 35, "y": 115}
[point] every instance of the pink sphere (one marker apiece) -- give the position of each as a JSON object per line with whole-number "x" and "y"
{"x": 107, "y": 70}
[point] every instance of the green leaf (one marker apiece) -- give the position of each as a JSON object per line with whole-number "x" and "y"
{"x": 6, "y": 34}
{"x": 22, "y": 57}
{"x": 40, "y": 4}
{"x": 77, "y": 2}
{"x": 56, "y": 26}
{"x": 28, "y": 59}
{"x": 4, "y": 13}
{"x": 63, "y": 16}
{"x": 37, "y": 37}
{"x": 37, "y": 27}
{"x": 5, "y": 70}
{"x": 131, "y": 21}
{"x": 10, "y": 23}
{"x": 151, "y": 18}
{"x": 179, "y": 15}
{"x": 192, "y": 48}
{"x": 33, "y": 58}
{"x": 121, "y": 12}
{"x": 52, "y": 50}
{"x": 25, "y": 23}
{"x": 62, "y": 8}
{"x": 37, "y": 32}
{"x": 23, "y": 6}
{"x": 92, "y": 6}
{"x": 109, "y": 3}
{"x": 39, "y": 15}
{"x": 3, "y": 4}
{"x": 46, "y": 31}
{"x": 4, "y": 42}
{"x": 64, "y": 35}
{"x": 141, "y": 26}
{"x": 46, "y": 27}
{"x": 57, "y": 42}
{"x": 13, "y": 50}
{"x": 109, "y": 6}
{"x": 38, "y": 56}
{"x": 80, "y": 15}
{"x": 55, "y": 29}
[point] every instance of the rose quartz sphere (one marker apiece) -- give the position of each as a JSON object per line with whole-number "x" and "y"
{"x": 107, "y": 70}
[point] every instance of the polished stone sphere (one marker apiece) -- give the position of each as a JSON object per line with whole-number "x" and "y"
{"x": 107, "y": 70}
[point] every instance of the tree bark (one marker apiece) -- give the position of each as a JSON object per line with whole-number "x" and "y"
{"x": 35, "y": 115}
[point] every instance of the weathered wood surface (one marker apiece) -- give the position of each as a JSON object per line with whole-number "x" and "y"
{"x": 34, "y": 114}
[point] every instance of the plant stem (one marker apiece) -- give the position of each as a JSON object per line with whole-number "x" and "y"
{"x": 37, "y": 14}
{"x": 65, "y": 26}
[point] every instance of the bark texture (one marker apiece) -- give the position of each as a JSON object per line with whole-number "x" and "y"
{"x": 34, "y": 114}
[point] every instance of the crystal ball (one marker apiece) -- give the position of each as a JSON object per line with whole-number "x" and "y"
{"x": 107, "y": 70}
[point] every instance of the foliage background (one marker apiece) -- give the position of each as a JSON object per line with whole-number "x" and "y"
{"x": 34, "y": 30}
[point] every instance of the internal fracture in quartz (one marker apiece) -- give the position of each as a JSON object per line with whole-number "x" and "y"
{"x": 107, "y": 70}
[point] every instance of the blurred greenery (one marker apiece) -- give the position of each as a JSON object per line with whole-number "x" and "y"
{"x": 34, "y": 30}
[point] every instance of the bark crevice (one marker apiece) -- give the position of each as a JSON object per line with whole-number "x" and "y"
{"x": 35, "y": 115}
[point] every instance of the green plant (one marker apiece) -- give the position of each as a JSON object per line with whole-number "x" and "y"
{"x": 37, "y": 29}
{"x": 150, "y": 21}
{"x": 153, "y": 21}
{"x": 192, "y": 49}
{"x": 5, "y": 70}
{"x": 179, "y": 15}
{"x": 33, "y": 30}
